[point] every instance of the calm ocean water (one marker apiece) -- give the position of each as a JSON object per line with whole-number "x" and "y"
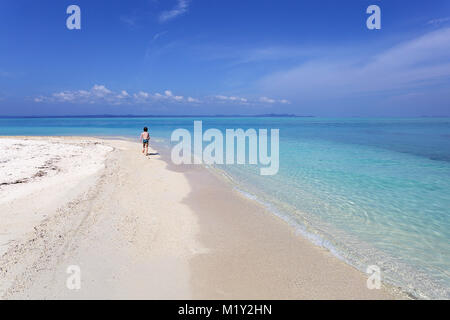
{"x": 374, "y": 191}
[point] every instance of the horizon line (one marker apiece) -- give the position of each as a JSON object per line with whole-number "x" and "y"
{"x": 154, "y": 116}
{"x": 270, "y": 115}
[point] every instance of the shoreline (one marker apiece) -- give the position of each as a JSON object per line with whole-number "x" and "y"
{"x": 221, "y": 251}
{"x": 224, "y": 211}
{"x": 318, "y": 241}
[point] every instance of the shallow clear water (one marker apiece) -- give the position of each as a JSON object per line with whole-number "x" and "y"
{"x": 375, "y": 191}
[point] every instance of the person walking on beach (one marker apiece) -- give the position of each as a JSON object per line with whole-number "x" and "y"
{"x": 145, "y": 137}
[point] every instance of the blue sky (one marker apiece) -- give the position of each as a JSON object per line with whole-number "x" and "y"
{"x": 225, "y": 57}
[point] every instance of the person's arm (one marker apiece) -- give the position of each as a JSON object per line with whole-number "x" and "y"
{"x": 140, "y": 137}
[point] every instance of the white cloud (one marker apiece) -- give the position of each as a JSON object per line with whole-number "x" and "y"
{"x": 141, "y": 97}
{"x": 143, "y": 94}
{"x": 100, "y": 94}
{"x": 100, "y": 90}
{"x": 65, "y": 96}
{"x": 273, "y": 101}
{"x": 418, "y": 63}
{"x": 168, "y": 95}
{"x": 266, "y": 100}
{"x": 439, "y": 21}
{"x": 129, "y": 20}
{"x": 245, "y": 101}
{"x": 122, "y": 95}
{"x": 231, "y": 98}
{"x": 181, "y": 7}
{"x": 190, "y": 99}
{"x": 158, "y": 35}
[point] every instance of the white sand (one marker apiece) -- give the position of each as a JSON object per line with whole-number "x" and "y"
{"x": 140, "y": 228}
{"x": 38, "y": 175}
{"x": 31, "y": 164}
{"x": 127, "y": 229}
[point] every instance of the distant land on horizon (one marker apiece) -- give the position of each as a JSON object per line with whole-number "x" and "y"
{"x": 271, "y": 115}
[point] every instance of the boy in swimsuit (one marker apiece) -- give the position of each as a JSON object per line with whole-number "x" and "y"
{"x": 145, "y": 137}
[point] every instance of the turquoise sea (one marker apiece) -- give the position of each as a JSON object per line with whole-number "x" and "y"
{"x": 373, "y": 191}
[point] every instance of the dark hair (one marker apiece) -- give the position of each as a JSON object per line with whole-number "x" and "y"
{"x": 145, "y": 129}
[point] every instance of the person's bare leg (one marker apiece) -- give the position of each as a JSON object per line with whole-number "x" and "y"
{"x": 146, "y": 150}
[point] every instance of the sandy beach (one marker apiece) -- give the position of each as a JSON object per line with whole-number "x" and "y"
{"x": 141, "y": 228}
